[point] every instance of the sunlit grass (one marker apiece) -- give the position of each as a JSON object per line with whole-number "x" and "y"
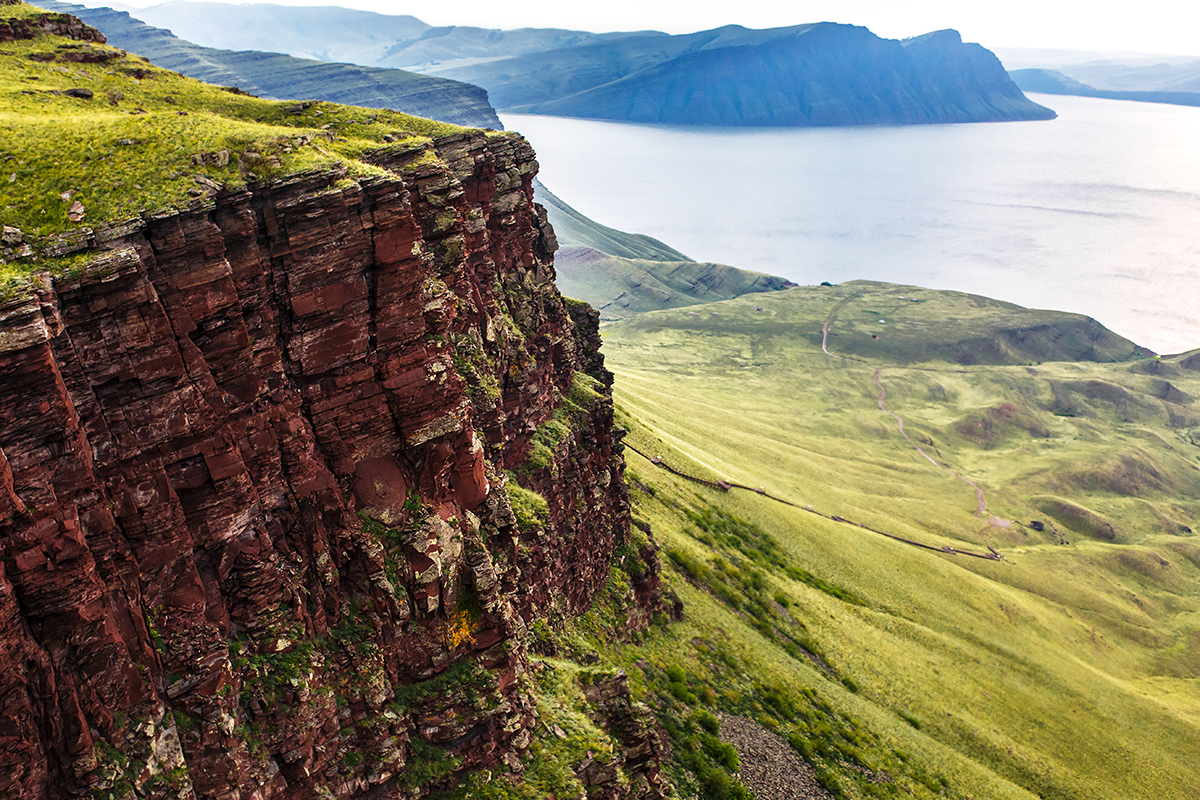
{"x": 1068, "y": 670}
{"x": 145, "y": 136}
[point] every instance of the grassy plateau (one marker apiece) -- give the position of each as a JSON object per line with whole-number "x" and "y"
{"x": 88, "y": 124}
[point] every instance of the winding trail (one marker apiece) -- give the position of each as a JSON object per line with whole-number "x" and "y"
{"x": 829, "y": 320}
{"x": 981, "y": 507}
{"x": 725, "y": 486}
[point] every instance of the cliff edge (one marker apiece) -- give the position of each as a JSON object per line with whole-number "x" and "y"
{"x": 261, "y": 533}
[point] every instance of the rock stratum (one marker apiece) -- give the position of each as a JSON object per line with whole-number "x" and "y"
{"x": 258, "y": 467}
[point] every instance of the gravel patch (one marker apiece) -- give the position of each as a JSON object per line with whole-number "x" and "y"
{"x": 770, "y": 768}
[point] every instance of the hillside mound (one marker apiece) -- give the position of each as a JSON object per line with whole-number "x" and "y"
{"x": 573, "y": 229}
{"x": 904, "y": 324}
{"x": 618, "y": 287}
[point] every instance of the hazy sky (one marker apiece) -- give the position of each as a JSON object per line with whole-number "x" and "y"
{"x": 1161, "y": 26}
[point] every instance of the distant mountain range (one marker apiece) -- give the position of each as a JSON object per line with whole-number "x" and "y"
{"x": 818, "y": 74}
{"x": 1114, "y": 76}
{"x": 284, "y": 77}
{"x": 1140, "y": 77}
{"x": 329, "y": 33}
{"x": 1049, "y": 81}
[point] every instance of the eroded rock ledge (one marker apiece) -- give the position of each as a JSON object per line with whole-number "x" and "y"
{"x": 255, "y": 535}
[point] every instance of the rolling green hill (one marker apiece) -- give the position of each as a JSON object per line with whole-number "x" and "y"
{"x": 618, "y": 287}
{"x": 623, "y": 273}
{"x": 573, "y": 229}
{"x": 1060, "y": 664}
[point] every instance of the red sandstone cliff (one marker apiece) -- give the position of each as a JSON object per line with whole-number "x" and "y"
{"x": 254, "y": 535}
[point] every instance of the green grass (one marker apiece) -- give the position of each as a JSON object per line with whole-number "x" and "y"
{"x": 1068, "y": 670}
{"x": 567, "y": 733}
{"x": 528, "y": 507}
{"x": 139, "y": 144}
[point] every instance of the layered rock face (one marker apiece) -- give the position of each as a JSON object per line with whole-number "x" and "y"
{"x": 256, "y": 536}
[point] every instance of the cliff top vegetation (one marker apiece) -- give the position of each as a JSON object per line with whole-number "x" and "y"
{"x": 94, "y": 135}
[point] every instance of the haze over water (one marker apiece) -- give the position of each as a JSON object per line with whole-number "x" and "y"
{"x": 1096, "y": 212}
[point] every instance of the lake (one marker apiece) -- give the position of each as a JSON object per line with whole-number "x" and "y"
{"x": 1096, "y": 212}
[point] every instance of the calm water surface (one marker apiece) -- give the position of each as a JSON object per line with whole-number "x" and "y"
{"x": 1096, "y": 212}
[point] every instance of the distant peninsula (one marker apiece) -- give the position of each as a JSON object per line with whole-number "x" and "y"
{"x": 809, "y": 75}
{"x": 1051, "y": 81}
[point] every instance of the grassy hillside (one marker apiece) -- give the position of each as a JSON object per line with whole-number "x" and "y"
{"x": 575, "y": 230}
{"x": 272, "y": 74}
{"x": 618, "y": 287}
{"x": 1065, "y": 667}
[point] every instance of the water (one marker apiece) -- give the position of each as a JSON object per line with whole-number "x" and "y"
{"x": 1096, "y": 212}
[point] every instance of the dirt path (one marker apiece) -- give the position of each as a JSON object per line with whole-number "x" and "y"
{"x": 770, "y": 768}
{"x": 725, "y": 486}
{"x": 981, "y": 506}
{"x": 829, "y": 320}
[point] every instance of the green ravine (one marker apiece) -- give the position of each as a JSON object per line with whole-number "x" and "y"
{"x": 1066, "y": 670}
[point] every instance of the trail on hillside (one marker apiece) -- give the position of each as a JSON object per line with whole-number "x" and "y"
{"x": 981, "y": 505}
{"x": 726, "y": 486}
{"x": 829, "y": 320}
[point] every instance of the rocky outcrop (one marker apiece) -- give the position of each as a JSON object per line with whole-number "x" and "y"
{"x": 636, "y": 769}
{"x": 256, "y": 460}
{"x": 64, "y": 25}
{"x": 769, "y": 766}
